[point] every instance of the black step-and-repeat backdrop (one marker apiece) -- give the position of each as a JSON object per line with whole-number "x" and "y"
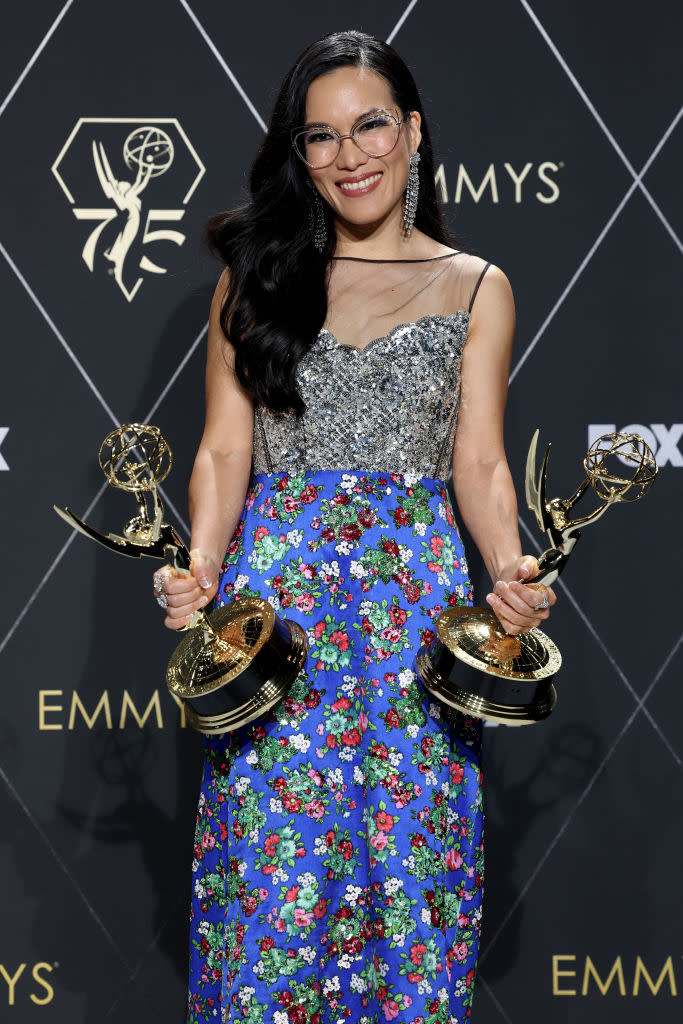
{"x": 558, "y": 146}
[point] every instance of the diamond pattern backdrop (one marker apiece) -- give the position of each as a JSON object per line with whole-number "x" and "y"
{"x": 558, "y": 131}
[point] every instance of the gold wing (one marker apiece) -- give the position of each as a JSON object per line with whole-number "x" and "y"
{"x": 536, "y": 492}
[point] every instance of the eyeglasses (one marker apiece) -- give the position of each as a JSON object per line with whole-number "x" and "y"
{"x": 376, "y": 135}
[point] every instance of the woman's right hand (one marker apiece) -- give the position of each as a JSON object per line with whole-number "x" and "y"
{"x": 186, "y": 592}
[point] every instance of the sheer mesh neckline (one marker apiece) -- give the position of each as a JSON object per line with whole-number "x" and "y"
{"x": 441, "y": 317}
{"x": 424, "y": 259}
{"x": 369, "y": 300}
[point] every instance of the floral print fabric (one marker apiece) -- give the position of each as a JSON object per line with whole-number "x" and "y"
{"x": 338, "y": 854}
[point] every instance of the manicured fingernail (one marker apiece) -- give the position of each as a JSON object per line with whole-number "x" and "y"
{"x": 204, "y": 583}
{"x": 490, "y": 598}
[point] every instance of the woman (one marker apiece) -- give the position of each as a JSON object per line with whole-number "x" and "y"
{"x": 339, "y": 854}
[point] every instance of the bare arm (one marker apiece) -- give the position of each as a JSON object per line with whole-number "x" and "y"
{"x": 481, "y": 478}
{"x": 223, "y": 463}
{"x": 220, "y": 476}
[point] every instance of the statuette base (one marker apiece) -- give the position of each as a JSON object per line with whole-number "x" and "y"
{"x": 242, "y": 672}
{"x": 476, "y": 668}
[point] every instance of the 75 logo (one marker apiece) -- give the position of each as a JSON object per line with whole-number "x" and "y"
{"x": 144, "y": 172}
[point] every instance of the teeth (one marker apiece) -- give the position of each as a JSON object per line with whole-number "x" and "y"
{"x": 353, "y": 186}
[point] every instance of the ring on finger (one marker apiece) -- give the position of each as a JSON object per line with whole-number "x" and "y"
{"x": 545, "y": 603}
{"x": 159, "y": 592}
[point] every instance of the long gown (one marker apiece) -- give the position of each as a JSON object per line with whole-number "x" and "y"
{"x": 338, "y": 855}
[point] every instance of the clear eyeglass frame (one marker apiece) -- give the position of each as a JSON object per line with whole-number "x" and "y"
{"x": 298, "y": 134}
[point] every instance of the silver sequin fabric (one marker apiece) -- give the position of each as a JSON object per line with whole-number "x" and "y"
{"x": 391, "y": 406}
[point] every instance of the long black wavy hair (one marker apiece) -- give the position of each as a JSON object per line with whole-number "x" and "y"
{"x": 276, "y": 301}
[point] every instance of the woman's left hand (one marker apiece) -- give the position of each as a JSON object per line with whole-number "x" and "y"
{"x": 520, "y": 606}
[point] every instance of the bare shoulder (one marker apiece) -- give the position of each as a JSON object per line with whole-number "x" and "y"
{"x": 229, "y": 409}
{"x": 218, "y": 301}
{"x": 491, "y": 291}
{"x": 480, "y": 271}
{"x": 220, "y": 291}
{"x": 219, "y": 342}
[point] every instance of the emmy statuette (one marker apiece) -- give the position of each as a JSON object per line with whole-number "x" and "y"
{"x": 234, "y": 663}
{"x": 473, "y": 665}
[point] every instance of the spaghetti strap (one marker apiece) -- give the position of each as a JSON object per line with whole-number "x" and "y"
{"x": 476, "y": 287}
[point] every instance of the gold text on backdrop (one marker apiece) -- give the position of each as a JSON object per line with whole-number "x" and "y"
{"x": 17, "y": 979}
{"x": 59, "y": 710}
{"x": 568, "y": 979}
{"x": 512, "y": 185}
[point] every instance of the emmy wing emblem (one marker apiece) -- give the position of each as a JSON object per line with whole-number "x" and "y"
{"x": 473, "y": 664}
{"x": 234, "y": 663}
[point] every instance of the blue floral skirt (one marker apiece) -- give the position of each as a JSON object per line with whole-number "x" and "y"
{"x": 338, "y": 855}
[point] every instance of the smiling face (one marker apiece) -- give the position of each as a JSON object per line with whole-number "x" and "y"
{"x": 363, "y": 191}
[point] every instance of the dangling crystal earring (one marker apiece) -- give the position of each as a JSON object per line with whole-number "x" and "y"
{"x": 411, "y": 195}
{"x": 316, "y": 221}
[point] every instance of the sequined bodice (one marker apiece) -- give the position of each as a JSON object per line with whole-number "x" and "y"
{"x": 391, "y": 406}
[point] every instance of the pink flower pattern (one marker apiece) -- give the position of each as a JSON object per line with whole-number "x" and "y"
{"x": 339, "y": 836}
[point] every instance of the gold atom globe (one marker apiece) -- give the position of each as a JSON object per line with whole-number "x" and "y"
{"x": 605, "y": 462}
{"x": 135, "y": 457}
